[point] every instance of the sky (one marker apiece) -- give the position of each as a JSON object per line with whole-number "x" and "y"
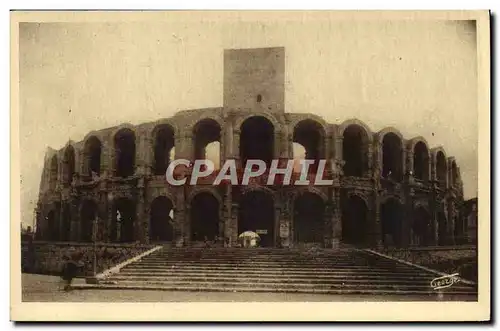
{"x": 418, "y": 76}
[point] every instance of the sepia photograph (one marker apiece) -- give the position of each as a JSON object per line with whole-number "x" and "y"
{"x": 250, "y": 157}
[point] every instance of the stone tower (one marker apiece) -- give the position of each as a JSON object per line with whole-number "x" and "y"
{"x": 254, "y": 79}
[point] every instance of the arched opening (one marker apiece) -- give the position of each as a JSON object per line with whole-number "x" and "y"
{"x": 421, "y": 161}
{"x": 68, "y": 165}
{"x": 92, "y": 157}
{"x": 311, "y": 136}
{"x": 124, "y": 214}
{"x": 53, "y": 172}
{"x": 204, "y": 217}
{"x": 256, "y": 214}
{"x": 391, "y": 213}
{"x": 125, "y": 153}
{"x": 392, "y": 157}
{"x": 308, "y": 218}
{"x": 454, "y": 173}
{"x": 299, "y": 153}
{"x": 87, "y": 219}
{"x": 354, "y": 220}
{"x": 422, "y": 227}
{"x": 206, "y": 141}
{"x": 161, "y": 221}
{"x": 441, "y": 168}
{"x": 66, "y": 223}
{"x": 257, "y": 140}
{"x": 442, "y": 228}
{"x": 164, "y": 142}
{"x": 52, "y": 226}
{"x": 355, "y": 151}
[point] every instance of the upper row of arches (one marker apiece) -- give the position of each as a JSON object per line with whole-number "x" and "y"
{"x": 360, "y": 150}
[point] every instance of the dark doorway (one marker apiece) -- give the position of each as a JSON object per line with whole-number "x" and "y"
{"x": 354, "y": 220}
{"x": 355, "y": 151}
{"x": 441, "y": 169}
{"x": 308, "y": 218}
{"x": 257, "y": 214}
{"x": 421, "y": 161}
{"x": 88, "y": 216}
{"x": 422, "y": 228}
{"x": 204, "y": 217}
{"x": 125, "y": 153}
{"x": 164, "y": 142}
{"x": 161, "y": 223}
{"x": 392, "y": 157}
{"x": 257, "y": 140}
{"x": 311, "y": 136}
{"x": 123, "y": 220}
{"x": 207, "y": 132}
{"x": 68, "y": 165}
{"x": 391, "y": 213}
{"x": 92, "y": 157}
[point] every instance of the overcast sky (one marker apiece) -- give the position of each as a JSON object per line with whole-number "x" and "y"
{"x": 418, "y": 76}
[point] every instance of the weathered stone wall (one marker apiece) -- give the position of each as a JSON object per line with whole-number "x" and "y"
{"x": 48, "y": 257}
{"x": 450, "y": 260}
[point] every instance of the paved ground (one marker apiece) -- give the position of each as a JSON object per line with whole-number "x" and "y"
{"x": 41, "y": 288}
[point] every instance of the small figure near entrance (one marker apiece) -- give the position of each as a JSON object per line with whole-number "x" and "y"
{"x": 249, "y": 239}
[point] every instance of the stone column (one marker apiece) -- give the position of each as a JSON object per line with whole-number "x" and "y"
{"x": 328, "y": 219}
{"x": 328, "y": 144}
{"x": 277, "y": 225}
{"x": 378, "y": 159}
{"x": 409, "y": 160}
{"x": 62, "y": 221}
{"x": 233, "y": 226}
{"x": 406, "y": 228}
{"x": 376, "y": 230}
{"x": 433, "y": 209}
{"x": 289, "y": 144}
{"x": 181, "y": 226}
{"x": 226, "y": 215}
{"x": 148, "y": 154}
{"x": 75, "y": 219}
{"x": 285, "y": 224}
{"x": 103, "y": 213}
{"x": 140, "y": 220}
{"x": 227, "y": 152}
{"x": 283, "y": 151}
{"x": 336, "y": 222}
{"x": 236, "y": 144}
{"x": 432, "y": 174}
{"x": 451, "y": 223}
{"x": 371, "y": 158}
{"x": 339, "y": 144}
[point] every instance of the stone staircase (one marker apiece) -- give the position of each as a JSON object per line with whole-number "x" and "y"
{"x": 342, "y": 271}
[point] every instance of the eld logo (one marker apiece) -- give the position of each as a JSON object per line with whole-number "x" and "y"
{"x": 444, "y": 281}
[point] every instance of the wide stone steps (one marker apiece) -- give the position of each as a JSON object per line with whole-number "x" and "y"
{"x": 347, "y": 271}
{"x": 270, "y": 275}
{"x": 362, "y": 282}
{"x": 273, "y": 271}
{"x": 369, "y": 291}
